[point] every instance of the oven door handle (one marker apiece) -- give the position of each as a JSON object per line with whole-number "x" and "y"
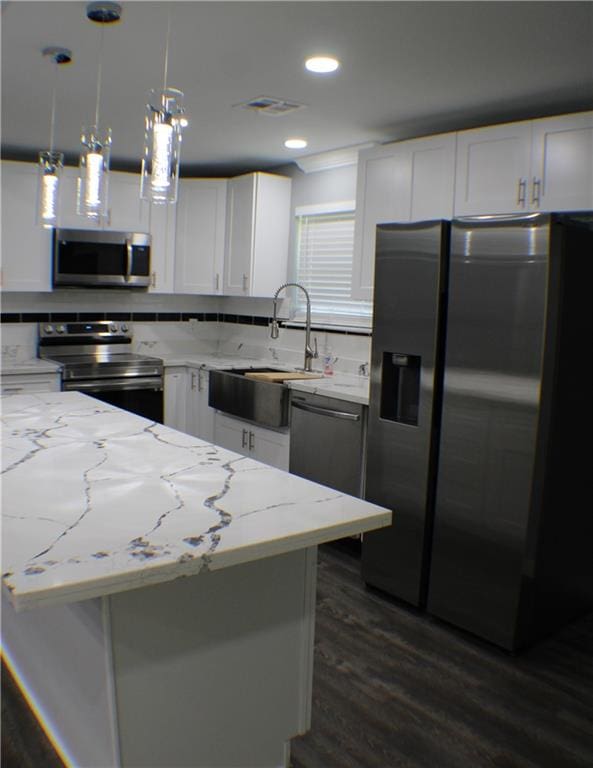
{"x": 109, "y": 385}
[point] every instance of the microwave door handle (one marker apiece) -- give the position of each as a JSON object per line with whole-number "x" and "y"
{"x": 129, "y": 258}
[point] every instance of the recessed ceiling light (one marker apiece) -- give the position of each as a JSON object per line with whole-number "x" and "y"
{"x": 295, "y": 143}
{"x": 322, "y": 64}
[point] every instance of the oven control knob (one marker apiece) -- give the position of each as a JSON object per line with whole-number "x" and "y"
{"x": 124, "y": 328}
{"x": 113, "y": 328}
{"x": 60, "y": 328}
{"x": 48, "y": 329}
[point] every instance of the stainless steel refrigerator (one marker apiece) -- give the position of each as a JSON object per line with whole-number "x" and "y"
{"x": 480, "y": 428}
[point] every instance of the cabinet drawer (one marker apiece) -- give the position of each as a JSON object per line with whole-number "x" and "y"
{"x": 15, "y": 384}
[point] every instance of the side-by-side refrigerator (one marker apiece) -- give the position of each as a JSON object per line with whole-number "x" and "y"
{"x": 480, "y": 421}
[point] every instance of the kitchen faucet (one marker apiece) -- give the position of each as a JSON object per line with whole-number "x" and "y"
{"x": 309, "y": 353}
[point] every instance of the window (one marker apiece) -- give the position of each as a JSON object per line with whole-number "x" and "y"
{"x": 324, "y": 249}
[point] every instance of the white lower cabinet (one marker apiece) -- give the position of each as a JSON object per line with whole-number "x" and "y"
{"x": 29, "y": 383}
{"x": 175, "y": 404}
{"x": 186, "y": 402}
{"x": 266, "y": 445}
{"x": 200, "y": 417}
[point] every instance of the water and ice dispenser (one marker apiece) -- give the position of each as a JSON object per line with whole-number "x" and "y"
{"x": 400, "y": 387}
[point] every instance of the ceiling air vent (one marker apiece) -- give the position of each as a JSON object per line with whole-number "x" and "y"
{"x": 268, "y": 105}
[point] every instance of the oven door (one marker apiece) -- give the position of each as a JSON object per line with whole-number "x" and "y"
{"x": 142, "y": 396}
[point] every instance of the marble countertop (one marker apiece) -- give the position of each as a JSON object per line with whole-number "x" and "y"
{"x": 342, "y": 386}
{"x": 97, "y": 500}
{"x": 34, "y": 365}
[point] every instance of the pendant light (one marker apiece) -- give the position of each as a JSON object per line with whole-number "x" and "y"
{"x": 96, "y": 141}
{"x": 162, "y": 139}
{"x": 51, "y": 162}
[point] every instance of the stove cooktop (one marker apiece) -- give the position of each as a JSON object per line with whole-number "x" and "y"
{"x": 107, "y": 365}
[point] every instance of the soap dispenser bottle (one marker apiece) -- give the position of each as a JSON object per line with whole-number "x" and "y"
{"x": 328, "y": 361}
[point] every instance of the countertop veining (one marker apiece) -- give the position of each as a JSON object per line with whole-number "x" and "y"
{"x": 98, "y": 500}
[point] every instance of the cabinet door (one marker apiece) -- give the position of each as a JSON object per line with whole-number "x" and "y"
{"x": 162, "y": 248}
{"x": 269, "y": 268}
{"x": 26, "y": 246}
{"x": 231, "y": 434}
{"x": 562, "y": 163}
{"x": 200, "y": 417}
{"x": 382, "y": 195}
{"x": 269, "y": 447}
{"x": 67, "y": 217}
{"x": 432, "y": 179}
{"x": 205, "y": 412}
{"x": 493, "y": 169}
{"x": 127, "y": 211}
{"x": 239, "y": 235}
{"x": 200, "y": 236}
{"x": 175, "y": 398}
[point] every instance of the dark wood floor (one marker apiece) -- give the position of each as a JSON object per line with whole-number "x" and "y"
{"x": 393, "y": 689}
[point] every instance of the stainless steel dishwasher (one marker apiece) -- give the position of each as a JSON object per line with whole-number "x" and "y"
{"x": 327, "y": 441}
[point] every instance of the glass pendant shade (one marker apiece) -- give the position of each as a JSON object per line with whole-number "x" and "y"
{"x": 162, "y": 145}
{"x": 94, "y": 173}
{"x": 50, "y": 169}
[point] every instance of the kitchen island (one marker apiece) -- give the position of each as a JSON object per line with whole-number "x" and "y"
{"x": 171, "y": 587}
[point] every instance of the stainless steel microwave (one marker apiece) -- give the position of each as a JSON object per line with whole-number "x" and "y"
{"x": 96, "y": 259}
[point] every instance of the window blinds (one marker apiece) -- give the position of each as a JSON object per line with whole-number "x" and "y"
{"x": 324, "y": 266}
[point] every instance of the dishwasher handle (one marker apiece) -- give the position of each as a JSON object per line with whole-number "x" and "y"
{"x": 330, "y": 412}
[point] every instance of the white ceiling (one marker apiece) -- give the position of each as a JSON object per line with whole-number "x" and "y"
{"x": 408, "y": 68}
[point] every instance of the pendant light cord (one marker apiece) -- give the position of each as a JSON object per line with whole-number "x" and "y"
{"x": 167, "y": 49}
{"x": 99, "y": 74}
{"x": 53, "y": 109}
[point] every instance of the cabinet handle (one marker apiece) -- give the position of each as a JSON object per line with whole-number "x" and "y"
{"x": 243, "y": 438}
{"x": 522, "y": 192}
{"x": 7, "y": 390}
{"x": 244, "y": 282}
{"x": 199, "y": 381}
{"x": 193, "y": 379}
{"x": 153, "y": 280}
{"x": 535, "y": 197}
{"x": 216, "y": 281}
{"x": 251, "y": 441}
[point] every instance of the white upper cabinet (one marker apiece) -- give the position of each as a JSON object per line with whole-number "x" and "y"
{"x": 126, "y": 211}
{"x": 199, "y": 252}
{"x": 162, "y": 248}
{"x": 26, "y": 246}
{"x": 562, "y": 163}
{"x": 493, "y": 167}
{"x": 257, "y": 227}
{"x": 403, "y": 181}
{"x": 536, "y": 165}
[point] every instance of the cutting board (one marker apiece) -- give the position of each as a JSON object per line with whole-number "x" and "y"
{"x": 275, "y": 376}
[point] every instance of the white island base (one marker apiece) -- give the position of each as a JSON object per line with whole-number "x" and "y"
{"x": 210, "y": 671}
